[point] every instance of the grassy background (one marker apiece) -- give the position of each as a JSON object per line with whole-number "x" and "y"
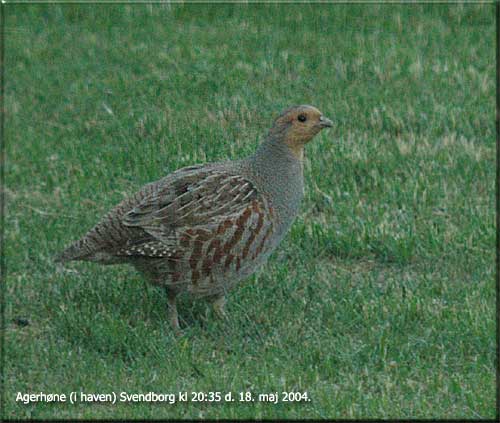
{"x": 381, "y": 301}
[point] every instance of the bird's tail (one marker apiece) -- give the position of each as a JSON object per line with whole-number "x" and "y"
{"x": 75, "y": 251}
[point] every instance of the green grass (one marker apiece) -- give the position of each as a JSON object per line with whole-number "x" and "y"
{"x": 380, "y": 303}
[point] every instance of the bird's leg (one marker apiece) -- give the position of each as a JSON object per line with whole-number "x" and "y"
{"x": 172, "y": 311}
{"x": 218, "y": 304}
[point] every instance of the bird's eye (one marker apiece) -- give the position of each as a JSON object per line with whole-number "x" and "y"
{"x": 302, "y": 118}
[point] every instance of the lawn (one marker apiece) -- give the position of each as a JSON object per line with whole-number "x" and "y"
{"x": 380, "y": 302}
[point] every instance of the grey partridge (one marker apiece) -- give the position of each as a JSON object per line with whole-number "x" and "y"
{"x": 203, "y": 228}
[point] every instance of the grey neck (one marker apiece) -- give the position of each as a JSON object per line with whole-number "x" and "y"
{"x": 279, "y": 173}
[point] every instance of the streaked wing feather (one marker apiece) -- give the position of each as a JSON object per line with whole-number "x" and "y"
{"x": 197, "y": 199}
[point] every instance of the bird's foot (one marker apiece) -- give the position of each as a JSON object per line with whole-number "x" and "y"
{"x": 218, "y": 305}
{"x": 172, "y": 314}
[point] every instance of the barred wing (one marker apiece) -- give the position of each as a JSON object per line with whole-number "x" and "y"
{"x": 204, "y": 223}
{"x": 196, "y": 199}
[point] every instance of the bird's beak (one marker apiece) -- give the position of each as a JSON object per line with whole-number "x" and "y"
{"x": 325, "y": 123}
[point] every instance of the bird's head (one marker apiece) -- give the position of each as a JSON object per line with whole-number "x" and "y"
{"x": 298, "y": 125}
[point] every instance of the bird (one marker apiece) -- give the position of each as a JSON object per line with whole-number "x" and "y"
{"x": 203, "y": 228}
